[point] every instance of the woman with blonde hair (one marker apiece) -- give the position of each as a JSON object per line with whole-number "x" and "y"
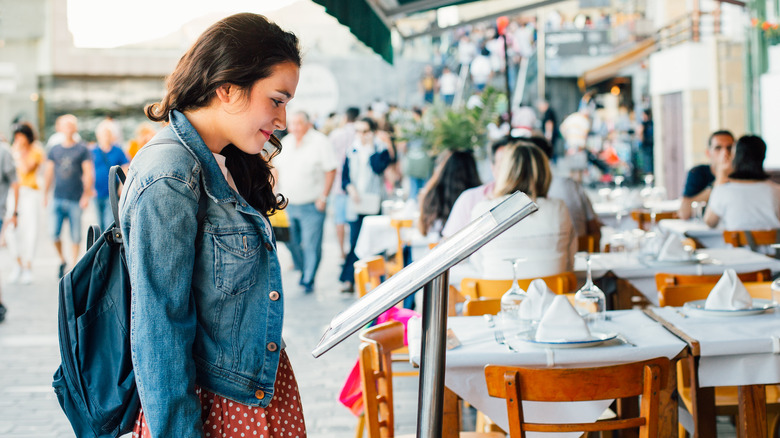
{"x": 545, "y": 240}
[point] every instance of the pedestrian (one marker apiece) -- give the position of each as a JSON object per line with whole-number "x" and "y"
{"x": 69, "y": 167}
{"x": 7, "y": 179}
{"x": 24, "y": 210}
{"x": 362, "y": 179}
{"x": 104, "y": 156}
{"x": 207, "y": 302}
{"x": 341, "y": 138}
{"x": 306, "y": 168}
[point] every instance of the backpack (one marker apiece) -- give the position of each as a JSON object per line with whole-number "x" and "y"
{"x": 95, "y": 383}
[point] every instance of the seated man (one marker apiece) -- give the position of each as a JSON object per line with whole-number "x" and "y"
{"x": 700, "y": 179}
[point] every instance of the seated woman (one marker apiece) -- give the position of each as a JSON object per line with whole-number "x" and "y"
{"x": 545, "y": 240}
{"x": 749, "y": 200}
{"x": 455, "y": 173}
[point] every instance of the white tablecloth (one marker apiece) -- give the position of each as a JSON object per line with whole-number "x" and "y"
{"x": 734, "y": 350}
{"x": 641, "y": 273}
{"x": 465, "y": 374}
{"x": 709, "y": 237}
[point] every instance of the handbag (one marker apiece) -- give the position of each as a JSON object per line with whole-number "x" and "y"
{"x": 370, "y": 203}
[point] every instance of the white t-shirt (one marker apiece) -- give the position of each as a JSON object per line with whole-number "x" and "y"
{"x": 448, "y": 84}
{"x": 460, "y": 214}
{"x": 545, "y": 239}
{"x": 302, "y": 167}
{"x": 746, "y": 205}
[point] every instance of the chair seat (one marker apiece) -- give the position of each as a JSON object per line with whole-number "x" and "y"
{"x": 465, "y": 435}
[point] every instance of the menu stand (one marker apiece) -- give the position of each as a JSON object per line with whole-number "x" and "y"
{"x": 432, "y": 274}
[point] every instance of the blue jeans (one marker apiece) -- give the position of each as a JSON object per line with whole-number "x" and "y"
{"x": 348, "y": 270}
{"x": 305, "y": 243}
{"x": 65, "y": 208}
{"x": 104, "y": 215}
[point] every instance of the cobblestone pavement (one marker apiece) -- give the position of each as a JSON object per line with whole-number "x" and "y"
{"x": 29, "y": 351}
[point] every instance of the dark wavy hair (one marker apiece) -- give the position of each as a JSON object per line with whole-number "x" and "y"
{"x": 748, "y": 162}
{"x": 24, "y": 128}
{"x": 240, "y": 50}
{"x": 455, "y": 173}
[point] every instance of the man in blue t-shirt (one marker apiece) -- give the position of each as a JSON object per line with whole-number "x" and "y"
{"x": 104, "y": 156}
{"x": 700, "y": 179}
{"x": 69, "y": 167}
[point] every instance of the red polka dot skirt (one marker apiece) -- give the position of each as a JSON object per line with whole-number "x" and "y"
{"x": 223, "y": 418}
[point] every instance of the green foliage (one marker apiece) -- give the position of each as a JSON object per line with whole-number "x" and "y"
{"x": 458, "y": 129}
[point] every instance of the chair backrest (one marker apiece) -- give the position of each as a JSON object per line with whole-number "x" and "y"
{"x": 666, "y": 279}
{"x": 751, "y": 238}
{"x": 398, "y": 259}
{"x": 644, "y": 218}
{"x": 477, "y": 288}
{"x": 679, "y": 295}
{"x": 580, "y": 384}
{"x": 489, "y": 306}
{"x": 369, "y": 273}
{"x": 376, "y": 372}
{"x": 589, "y": 243}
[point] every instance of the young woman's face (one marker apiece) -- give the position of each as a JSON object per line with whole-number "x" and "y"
{"x": 264, "y": 110}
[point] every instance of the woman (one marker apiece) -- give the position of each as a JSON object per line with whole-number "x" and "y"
{"x": 749, "y": 200}
{"x": 206, "y": 328}
{"x": 22, "y": 231}
{"x": 361, "y": 178}
{"x": 455, "y": 173}
{"x": 104, "y": 156}
{"x": 545, "y": 240}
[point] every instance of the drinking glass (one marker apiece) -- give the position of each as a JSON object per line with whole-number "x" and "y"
{"x": 590, "y": 301}
{"x": 511, "y": 299}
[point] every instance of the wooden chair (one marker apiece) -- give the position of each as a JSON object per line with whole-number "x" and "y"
{"x": 624, "y": 381}
{"x": 644, "y": 217}
{"x": 397, "y": 262}
{"x": 589, "y": 243}
{"x": 751, "y": 238}
{"x": 376, "y": 378}
{"x": 726, "y": 397}
{"x": 665, "y": 279}
{"x": 489, "y": 306}
{"x": 477, "y": 288}
{"x": 369, "y": 273}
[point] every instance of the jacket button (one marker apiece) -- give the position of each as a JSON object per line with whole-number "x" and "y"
{"x": 259, "y": 394}
{"x": 274, "y": 295}
{"x": 268, "y": 246}
{"x": 272, "y": 346}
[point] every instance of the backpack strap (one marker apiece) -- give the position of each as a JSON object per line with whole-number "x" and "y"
{"x": 113, "y": 194}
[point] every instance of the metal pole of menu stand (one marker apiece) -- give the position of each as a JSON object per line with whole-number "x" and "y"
{"x": 433, "y": 339}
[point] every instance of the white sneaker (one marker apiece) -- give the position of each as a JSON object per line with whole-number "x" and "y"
{"x": 26, "y": 277}
{"x": 15, "y": 274}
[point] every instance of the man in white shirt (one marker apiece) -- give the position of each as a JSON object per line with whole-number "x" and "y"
{"x": 305, "y": 170}
{"x": 341, "y": 138}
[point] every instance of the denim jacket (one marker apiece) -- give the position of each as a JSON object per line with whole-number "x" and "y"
{"x": 207, "y": 295}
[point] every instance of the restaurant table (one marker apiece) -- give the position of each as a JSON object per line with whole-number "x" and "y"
{"x": 695, "y": 229}
{"x": 728, "y": 351}
{"x": 377, "y": 236}
{"x": 640, "y": 272}
{"x": 465, "y": 364}
{"x": 607, "y": 211}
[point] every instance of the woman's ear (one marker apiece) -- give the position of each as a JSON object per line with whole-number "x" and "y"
{"x": 227, "y": 93}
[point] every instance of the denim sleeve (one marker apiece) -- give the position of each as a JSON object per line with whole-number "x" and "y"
{"x": 161, "y": 254}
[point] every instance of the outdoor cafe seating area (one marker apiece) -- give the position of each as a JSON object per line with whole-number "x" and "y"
{"x": 686, "y": 329}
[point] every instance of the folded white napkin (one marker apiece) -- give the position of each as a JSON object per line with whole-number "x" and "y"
{"x": 561, "y": 322}
{"x": 538, "y": 299}
{"x": 729, "y": 294}
{"x": 673, "y": 249}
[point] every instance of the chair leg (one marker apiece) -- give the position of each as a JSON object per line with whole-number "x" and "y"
{"x": 360, "y": 426}
{"x": 681, "y": 432}
{"x": 772, "y": 424}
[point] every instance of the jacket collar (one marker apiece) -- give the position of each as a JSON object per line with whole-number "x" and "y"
{"x": 214, "y": 183}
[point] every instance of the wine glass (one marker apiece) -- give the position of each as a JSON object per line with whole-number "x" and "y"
{"x": 590, "y": 301}
{"x": 511, "y": 299}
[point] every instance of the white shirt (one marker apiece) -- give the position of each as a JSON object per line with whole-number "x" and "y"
{"x": 460, "y": 215}
{"x": 448, "y": 84}
{"x": 302, "y": 167}
{"x": 545, "y": 239}
{"x": 746, "y": 206}
{"x": 341, "y": 139}
{"x": 576, "y": 200}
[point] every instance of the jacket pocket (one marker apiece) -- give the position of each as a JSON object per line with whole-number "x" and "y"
{"x": 236, "y": 261}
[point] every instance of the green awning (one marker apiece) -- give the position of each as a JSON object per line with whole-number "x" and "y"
{"x": 363, "y": 22}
